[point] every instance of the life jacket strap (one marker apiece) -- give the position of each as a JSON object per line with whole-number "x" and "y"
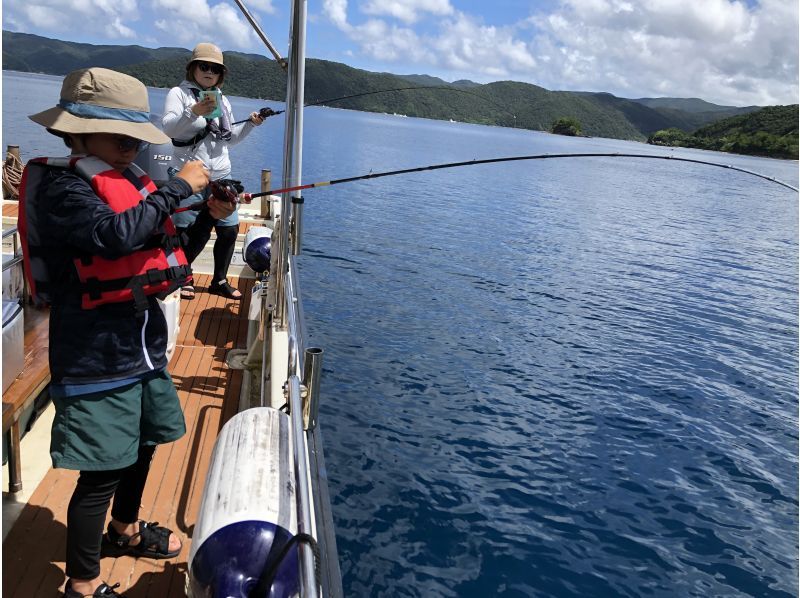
{"x": 95, "y": 287}
{"x": 164, "y": 241}
{"x": 194, "y": 140}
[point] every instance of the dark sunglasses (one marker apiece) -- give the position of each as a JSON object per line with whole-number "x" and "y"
{"x": 206, "y": 67}
{"x": 126, "y": 144}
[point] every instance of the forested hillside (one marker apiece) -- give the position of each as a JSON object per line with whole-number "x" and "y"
{"x": 32, "y": 53}
{"x": 771, "y": 131}
{"x": 506, "y": 103}
{"x": 502, "y": 103}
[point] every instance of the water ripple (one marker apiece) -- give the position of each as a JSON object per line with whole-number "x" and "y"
{"x": 583, "y": 383}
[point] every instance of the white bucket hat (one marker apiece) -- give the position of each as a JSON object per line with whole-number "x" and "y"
{"x": 98, "y": 100}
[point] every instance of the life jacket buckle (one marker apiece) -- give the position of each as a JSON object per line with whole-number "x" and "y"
{"x": 154, "y": 276}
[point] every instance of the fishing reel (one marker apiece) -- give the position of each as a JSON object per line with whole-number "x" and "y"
{"x": 267, "y": 112}
{"x": 229, "y": 190}
{"x": 264, "y": 113}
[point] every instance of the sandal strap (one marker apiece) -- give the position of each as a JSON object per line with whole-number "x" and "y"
{"x": 106, "y": 590}
{"x": 103, "y": 591}
{"x": 117, "y": 538}
{"x": 154, "y": 536}
{"x": 227, "y": 288}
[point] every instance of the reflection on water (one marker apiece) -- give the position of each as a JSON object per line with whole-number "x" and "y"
{"x": 556, "y": 378}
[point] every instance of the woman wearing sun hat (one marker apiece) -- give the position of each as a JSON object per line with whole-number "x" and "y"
{"x": 201, "y": 129}
{"x": 100, "y": 248}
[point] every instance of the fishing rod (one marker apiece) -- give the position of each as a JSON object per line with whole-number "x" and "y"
{"x": 230, "y": 193}
{"x": 267, "y": 112}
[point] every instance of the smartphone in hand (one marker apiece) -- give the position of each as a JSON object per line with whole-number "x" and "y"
{"x": 217, "y": 95}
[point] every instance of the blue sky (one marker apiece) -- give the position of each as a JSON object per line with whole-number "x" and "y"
{"x": 730, "y": 52}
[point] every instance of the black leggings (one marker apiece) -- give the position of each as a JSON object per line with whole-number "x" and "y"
{"x": 89, "y": 505}
{"x": 223, "y": 248}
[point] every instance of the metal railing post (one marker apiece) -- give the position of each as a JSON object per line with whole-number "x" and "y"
{"x": 256, "y": 27}
{"x": 300, "y": 86}
{"x": 308, "y": 579}
{"x": 266, "y": 201}
{"x": 312, "y": 370}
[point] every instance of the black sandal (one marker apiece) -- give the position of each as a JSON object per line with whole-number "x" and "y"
{"x": 224, "y": 289}
{"x": 103, "y": 591}
{"x": 154, "y": 542}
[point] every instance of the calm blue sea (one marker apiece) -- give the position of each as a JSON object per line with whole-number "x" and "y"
{"x": 571, "y": 377}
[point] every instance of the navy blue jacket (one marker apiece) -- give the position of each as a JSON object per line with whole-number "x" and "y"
{"x": 110, "y": 342}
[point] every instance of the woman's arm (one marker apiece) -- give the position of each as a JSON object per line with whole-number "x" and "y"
{"x": 178, "y": 121}
{"x": 240, "y": 131}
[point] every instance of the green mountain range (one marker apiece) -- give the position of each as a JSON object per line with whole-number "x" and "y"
{"x": 502, "y": 103}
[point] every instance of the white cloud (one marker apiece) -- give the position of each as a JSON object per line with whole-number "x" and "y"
{"x": 120, "y": 29}
{"x": 718, "y": 50}
{"x": 177, "y": 22}
{"x": 264, "y": 6}
{"x": 189, "y": 22}
{"x": 466, "y": 45}
{"x": 408, "y": 11}
{"x": 462, "y": 44}
{"x": 336, "y": 11}
{"x": 65, "y": 16}
{"x": 391, "y": 43}
{"x": 179, "y": 12}
{"x": 43, "y": 17}
{"x": 725, "y": 51}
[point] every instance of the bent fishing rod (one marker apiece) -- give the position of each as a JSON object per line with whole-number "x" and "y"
{"x": 267, "y": 112}
{"x": 229, "y": 193}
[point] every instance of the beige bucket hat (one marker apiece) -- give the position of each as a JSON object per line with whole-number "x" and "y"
{"x": 98, "y": 100}
{"x": 206, "y": 52}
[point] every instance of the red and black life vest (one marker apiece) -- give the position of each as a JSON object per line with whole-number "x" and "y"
{"x": 159, "y": 267}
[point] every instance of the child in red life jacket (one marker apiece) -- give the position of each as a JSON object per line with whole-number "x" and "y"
{"x": 100, "y": 248}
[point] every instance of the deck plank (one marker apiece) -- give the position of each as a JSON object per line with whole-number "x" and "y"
{"x": 35, "y": 370}
{"x": 33, "y": 552}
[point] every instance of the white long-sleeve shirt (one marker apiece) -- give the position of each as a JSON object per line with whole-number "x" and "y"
{"x": 179, "y": 122}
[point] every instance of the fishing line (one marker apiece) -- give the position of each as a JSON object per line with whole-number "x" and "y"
{"x": 227, "y": 195}
{"x": 266, "y": 112}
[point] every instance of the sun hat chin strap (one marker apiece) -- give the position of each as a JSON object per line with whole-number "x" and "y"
{"x": 94, "y": 111}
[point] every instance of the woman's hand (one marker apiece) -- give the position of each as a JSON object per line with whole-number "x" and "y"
{"x": 256, "y": 119}
{"x": 204, "y": 107}
{"x": 220, "y": 209}
{"x": 196, "y": 174}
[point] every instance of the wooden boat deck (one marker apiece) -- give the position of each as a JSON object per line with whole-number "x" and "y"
{"x": 33, "y": 551}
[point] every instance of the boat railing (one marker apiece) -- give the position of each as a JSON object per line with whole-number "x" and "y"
{"x": 300, "y": 389}
{"x": 12, "y": 232}
{"x": 301, "y": 386}
{"x": 14, "y": 261}
{"x": 281, "y": 314}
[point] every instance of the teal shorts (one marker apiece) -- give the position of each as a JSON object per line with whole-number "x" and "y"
{"x": 102, "y": 431}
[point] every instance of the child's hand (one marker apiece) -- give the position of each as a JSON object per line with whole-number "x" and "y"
{"x": 220, "y": 209}
{"x": 196, "y": 174}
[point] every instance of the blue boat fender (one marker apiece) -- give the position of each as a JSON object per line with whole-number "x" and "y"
{"x": 244, "y": 543}
{"x": 232, "y": 561}
{"x": 257, "y": 248}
